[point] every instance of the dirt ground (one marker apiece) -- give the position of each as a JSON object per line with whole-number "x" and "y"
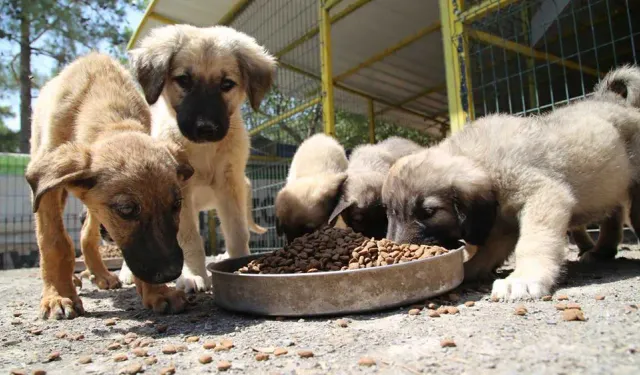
{"x": 490, "y": 338}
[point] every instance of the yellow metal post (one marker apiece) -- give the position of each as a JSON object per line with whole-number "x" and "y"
{"x": 328, "y": 114}
{"x": 456, "y": 65}
{"x": 372, "y": 121}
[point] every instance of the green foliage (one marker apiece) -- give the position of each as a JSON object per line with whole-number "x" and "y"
{"x": 9, "y": 140}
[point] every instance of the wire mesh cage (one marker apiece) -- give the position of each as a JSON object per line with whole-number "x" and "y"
{"x": 530, "y": 56}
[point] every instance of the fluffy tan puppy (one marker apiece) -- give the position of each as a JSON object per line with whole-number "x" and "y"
{"x": 90, "y": 137}
{"x": 311, "y": 193}
{"x": 360, "y": 203}
{"x": 196, "y": 80}
{"x": 514, "y": 184}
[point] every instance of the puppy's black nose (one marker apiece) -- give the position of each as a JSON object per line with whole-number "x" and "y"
{"x": 205, "y": 129}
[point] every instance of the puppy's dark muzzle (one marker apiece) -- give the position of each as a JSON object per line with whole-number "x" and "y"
{"x": 207, "y": 131}
{"x": 155, "y": 264}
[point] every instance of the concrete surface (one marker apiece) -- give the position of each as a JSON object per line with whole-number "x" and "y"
{"x": 490, "y": 338}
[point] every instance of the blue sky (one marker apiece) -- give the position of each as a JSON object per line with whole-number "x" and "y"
{"x": 45, "y": 64}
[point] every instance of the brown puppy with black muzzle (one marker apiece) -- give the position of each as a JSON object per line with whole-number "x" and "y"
{"x": 90, "y": 137}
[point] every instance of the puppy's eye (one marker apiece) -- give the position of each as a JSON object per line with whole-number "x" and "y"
{"x": 426, "y": 213}
{"x": 128, "y": 211}
{"x": 184, "y": 81}
{"x": 226, "y": 85}
{"x": 177, "y": 204}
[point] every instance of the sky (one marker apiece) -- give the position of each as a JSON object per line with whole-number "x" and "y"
{"x": 45, "y": 64}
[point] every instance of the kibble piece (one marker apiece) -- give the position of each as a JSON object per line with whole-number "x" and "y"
{"x": 469, "y": 303}
{"x": 132, "y": 369}
{"x": 77, "y": 337}
{"x": 169, "y": 370}
{"x": 110, "y": 322}
{"x": 39, "y": 372}
{"x": 452, "y": 310}
{"x": 280, "y": 351}
{"x": 139, "y": 352}
{"x": 17, "y": 314}
{"x": 433, "y": 314}
{"x": 114, "y": 346}
{"x": 227, "y": 344}
{"x": 599, "y": 297}
{"x": 448, "y": 343}
{"x": 16, "y": 322}
{"x": 224, "y": 365}
{"x": 192, "y": 339}
{"x": 342, "y": 323}
{"x": 366, "y": 361}
{"x": 561, "y": 306}
{"x": 120, "y": 357}
{"x": 181, "y": 348}
{"x": 18, "y": 371}
{"x": 521, "y": 310}
{"x": 262, "y": 356}
{"x": 209, "y": 345}
{"x": 61, "y": 334}
{"x": 162, "y": 328}
{"x": 573, "y": 315}
{"x": 169, "y": 349}
{"x": 495, "y": 299}
{"x": 146, "y": 342}
{"x": 150, "y": 361}
{"x": 414, "y": 312}
{"x": 36, "y": 331}
{"x": 305, "y": 353}
{"x": 53, "y": 356}
{"x": 573, "y": 305}
{"x": 432, "y": 306}
{"x": 442, "y": 310}
{"x": 562, "y": 297}
{"x": 547, "y": 298}
{"x": 85, "y": 359}
{"x": 205, "y": 358}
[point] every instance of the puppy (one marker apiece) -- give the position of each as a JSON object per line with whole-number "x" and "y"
{"x": 90, "y": 137}
{"x": 196, "y": 80}
{"x": 360, "y": 201}
{"x": 507, "y": 183}
{"x": 126, "y": 277}
{"x": 621, "y": 86}
{"x": 311, "y": 193}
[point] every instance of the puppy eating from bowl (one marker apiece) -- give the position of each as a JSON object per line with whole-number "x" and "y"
{"x": 90, "y": 137}
{"x": 512, "y": 184}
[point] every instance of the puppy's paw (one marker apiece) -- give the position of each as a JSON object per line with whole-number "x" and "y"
{"x": 597, "y": 255}
{"x": 125, "y": 275}
{"x": 164, "y": 300}
{"x": 516, "y": 288}
{"x": 105, "y": 280}
{"x": 55, "y": 306}
{"x": 193, "y": 283}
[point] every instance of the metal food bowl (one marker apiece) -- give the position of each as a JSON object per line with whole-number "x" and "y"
{"x": 334, "y": 292}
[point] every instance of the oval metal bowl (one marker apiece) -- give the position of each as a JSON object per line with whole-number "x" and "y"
{"x": 336, "y": 292}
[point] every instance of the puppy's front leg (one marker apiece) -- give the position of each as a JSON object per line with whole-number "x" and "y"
{"x": 90, "y": 240}
{"x": 194, "y": 274}
{"x": 540, "y": 250}
{"x": 59, "y": 297}
{"x": 232, "y": 208}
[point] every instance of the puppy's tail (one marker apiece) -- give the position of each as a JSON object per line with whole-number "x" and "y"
{"x": 255, "y": 228}
{"x": 621, "y": 85}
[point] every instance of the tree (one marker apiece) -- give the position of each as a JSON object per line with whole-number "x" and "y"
{"x": 60, "y": 30}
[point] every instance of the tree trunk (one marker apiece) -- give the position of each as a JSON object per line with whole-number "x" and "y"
{"x": 25, "y": 80}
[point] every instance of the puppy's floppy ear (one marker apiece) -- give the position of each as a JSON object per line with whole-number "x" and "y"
{"x": 151, "y": 60}
{"x": 476, "y": 214}
{"x": 69, "y": 164}
{"x": 257, "y": 67}
{"x": 341, "y": 202}
{"x": 83, "y": 215}
{"x": 183, "y": 168}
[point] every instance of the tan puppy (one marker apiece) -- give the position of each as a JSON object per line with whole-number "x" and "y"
{"x": 622, "y": 86}
{"x": 90, "y": 137}
{"x": 197, "y": 80}
{"x": 510, "y": 183}
{"x": 311, "y": 193}
{"x": 360, "y": 203}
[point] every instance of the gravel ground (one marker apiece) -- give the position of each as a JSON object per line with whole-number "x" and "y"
{"x": 490, "y": 338}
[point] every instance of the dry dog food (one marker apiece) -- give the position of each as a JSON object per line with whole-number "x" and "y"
{"x": 573, "y": 315}
{"x": 366, "y": 361}
{"x": 224, "y": 365}
{"x": 335, "y": 249}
